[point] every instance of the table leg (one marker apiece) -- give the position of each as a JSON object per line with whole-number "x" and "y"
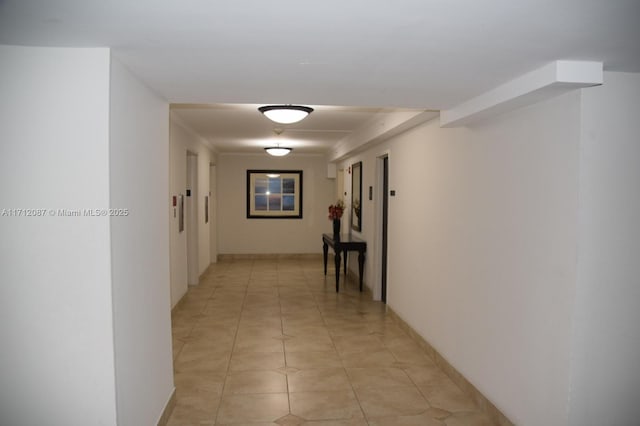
{"x": 360, "y": 267}
{"x": 337, "y": 270}
{"x": 346, "y": 258}
{"x": 325, "y": 250}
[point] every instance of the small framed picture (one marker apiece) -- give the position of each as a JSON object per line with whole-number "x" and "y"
{"x": 206, "y": 209}
{"x": 180, "y": 213}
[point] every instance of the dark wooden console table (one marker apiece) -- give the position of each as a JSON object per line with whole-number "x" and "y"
{"x": 343, "y": 243}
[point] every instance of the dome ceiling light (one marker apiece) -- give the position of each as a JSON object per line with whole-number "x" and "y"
{"x": 285, "y": 114}
{"x": 278, "y": 151}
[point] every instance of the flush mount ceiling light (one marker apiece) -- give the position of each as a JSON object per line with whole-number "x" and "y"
{"x": 285, "y": 114}
{"x": 278, "y": 151}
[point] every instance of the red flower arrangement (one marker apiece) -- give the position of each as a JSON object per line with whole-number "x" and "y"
{"x": 336, "y": 210}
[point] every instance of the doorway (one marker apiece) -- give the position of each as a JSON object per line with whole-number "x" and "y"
{"x": 191, "y": 216}
{"x": 213, "y": 212}
{"x": 381, "y": 206}
{"x": 385, "y": 227}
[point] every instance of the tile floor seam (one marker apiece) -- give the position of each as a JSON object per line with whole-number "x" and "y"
{"x": 344, "y": 368}
{"x": 284, "y": 352}
{"x": 191, "y": 328}
{"x": 364, "y": 414}
{"x": 233, "y": 344}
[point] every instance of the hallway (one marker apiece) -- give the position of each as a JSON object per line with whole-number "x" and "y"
{"x": 269, "y": 342}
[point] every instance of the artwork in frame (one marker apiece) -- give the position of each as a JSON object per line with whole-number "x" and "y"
{"x": 206, "y": 209}
{"x": 180, "y": 213}
{"x": 356, "y": 196}
{"x": 274, "y": 194}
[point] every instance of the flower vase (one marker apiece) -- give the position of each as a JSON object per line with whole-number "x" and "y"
{"x": 336, "y": 226}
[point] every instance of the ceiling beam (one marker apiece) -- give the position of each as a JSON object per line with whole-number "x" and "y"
{"x": 548, "y": 81}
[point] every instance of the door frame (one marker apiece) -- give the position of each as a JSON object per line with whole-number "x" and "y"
{"x": 379, "y": 220}
{"x": 191, "y": 219}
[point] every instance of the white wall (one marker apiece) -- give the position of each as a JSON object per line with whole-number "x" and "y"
{"x": 57, "y": 360}
{"x": 605, "y": 386}
{"x": 239, "y": 235}
{"x": 482, "y": 249}
{"x": 181, "y": 141}
{"x": 139, "y": 180}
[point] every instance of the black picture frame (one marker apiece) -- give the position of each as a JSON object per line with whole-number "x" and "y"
{"x": 274, "y": 194}
{"x": 356, "y": 196}
{"x": 206, "y": 209}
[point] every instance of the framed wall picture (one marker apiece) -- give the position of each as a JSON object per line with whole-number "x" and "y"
{"x": 274, "y": 194}
{"x": 356, "y": 196}
{"x": 180, "y": 213}
{"x": 206, "y": 209}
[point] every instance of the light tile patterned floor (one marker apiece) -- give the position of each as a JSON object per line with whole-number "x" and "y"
{"x": 269, "y": 342}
